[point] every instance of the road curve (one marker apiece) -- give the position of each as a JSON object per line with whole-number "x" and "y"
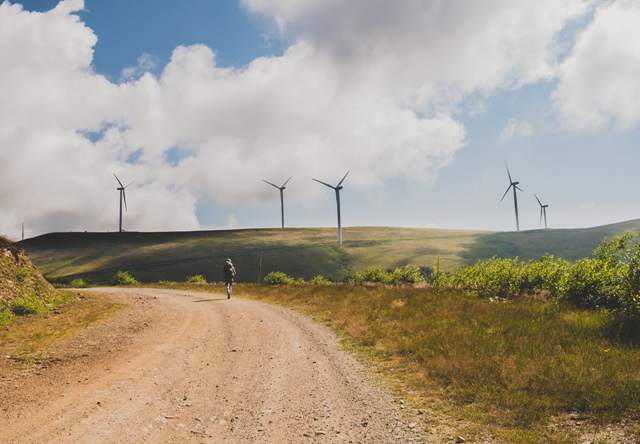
{"x": 187, "y": 367}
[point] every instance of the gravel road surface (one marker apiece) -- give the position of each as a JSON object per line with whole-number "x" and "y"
{"x": 188, "y": 367}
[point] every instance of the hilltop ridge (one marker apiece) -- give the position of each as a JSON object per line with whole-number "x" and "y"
{"x": 299, "y": 252}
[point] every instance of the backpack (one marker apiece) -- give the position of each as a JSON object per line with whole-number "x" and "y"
{"x": 228, "y": 271}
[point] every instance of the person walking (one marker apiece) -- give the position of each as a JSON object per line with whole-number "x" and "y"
{"x": 228, "y": 272}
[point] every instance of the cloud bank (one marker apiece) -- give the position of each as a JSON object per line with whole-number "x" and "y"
{"x": 373, "y": 86}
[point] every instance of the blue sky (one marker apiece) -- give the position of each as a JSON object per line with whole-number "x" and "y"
{"x": 423, "y": 102}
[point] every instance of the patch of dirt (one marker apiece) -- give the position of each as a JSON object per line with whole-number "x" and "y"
{"x": 185, "y": 367}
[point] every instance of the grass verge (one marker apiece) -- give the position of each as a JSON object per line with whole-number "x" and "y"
{"x": 509, "y": 367}
{"x": 27, "y": 339}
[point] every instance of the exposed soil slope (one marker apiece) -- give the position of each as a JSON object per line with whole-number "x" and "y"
{"x": 18, "y": 276}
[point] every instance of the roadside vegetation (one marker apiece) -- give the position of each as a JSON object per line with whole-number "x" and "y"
{"x": 507, "y": 345}
{"x": 512, "y": 345}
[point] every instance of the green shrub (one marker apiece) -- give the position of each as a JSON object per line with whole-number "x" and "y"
{"x": 78, "y": 283}
{"x": 197, "y": 279}
{"x": 27, "y": 305}
{"x": 319, "y": 280}
{"x": 278, "y": 277}
{"x": 372, "y": 274}
{"x": 123, "y": 278}
{"x": 409, "y": 274}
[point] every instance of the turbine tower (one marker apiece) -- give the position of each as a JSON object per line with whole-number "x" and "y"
{"x": 515, "y": 187}
{"x": 123, "y": 198}
{"x": 282, "y": 188}
{"x": 543, "y": 212}
{"x": 337, "y": 189}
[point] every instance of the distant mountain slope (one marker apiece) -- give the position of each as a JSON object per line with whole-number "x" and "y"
{"x": 299, "y": 252}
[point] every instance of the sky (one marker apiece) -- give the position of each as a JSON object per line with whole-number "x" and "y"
{"x": 425, "y": 103}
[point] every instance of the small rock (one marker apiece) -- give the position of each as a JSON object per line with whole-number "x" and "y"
{"x": 320, "y": 432}
{"x": 459, "y": 440}
{"x": 412, "y": 425}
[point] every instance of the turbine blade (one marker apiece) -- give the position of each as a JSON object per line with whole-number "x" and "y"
{"x": 345, "y": 176}
{"x": 326, "y": 184}
{"x": 130, "y": 183}
{"x": 537, "y": 199}
{"x": 124, "y": 197}
{"x": 270, "y": 183}
{"x": 541, "y": 211}
{"x": 505, "y": 193}
{"x": 508, "y": 173}
{"x": 518, "y": 188}
{"x": 283, "y": 185}
{"x": 114, "y": 175}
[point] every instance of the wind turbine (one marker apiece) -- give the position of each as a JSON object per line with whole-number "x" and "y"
{"x": 337, "y": 189}
{"x": 515, "y": 187}
{"x": 282, "y": 188}
{"x": 543, "y": 211}
{"x": 123, "y": 198}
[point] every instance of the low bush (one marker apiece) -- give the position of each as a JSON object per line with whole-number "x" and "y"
{"x": 197, "y": 279}
{"x": 124, "y": 278}
{"x": 27, "y": 305}
{"x": 78, "y": 283}
{"x": 278, "y": 278}
{"x": 373, "y": 275}
{"x": 319, "y": 280}
{"x": 409, "y": 274}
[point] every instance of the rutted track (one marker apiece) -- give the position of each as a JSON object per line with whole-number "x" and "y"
{"x": 184, "y": 367}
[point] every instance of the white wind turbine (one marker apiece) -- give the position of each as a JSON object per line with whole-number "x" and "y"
{"x": 282, "y": 188}
{"x": 543, "y": 212}
{"x": 337, "y": 189}
{"x": 515, "y": 187}
{"x": 123, "y": 198}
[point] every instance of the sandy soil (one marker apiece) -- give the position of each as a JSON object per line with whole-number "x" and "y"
{"x": 184, "y": 367}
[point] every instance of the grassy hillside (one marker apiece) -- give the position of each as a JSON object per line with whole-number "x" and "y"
{"x": 303, "y": 252}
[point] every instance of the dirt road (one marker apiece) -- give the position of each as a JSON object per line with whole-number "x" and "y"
{"x": 186, "y": 367}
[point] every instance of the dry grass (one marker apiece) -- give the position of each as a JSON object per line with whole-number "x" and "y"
{"x": 27, "y": 338}
{"x": 509, "y": 366}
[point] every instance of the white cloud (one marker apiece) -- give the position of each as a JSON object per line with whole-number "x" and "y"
{"x": 514, "y": 128}
{"x": 371, "y": 86}
{"x": 599, "y": 79}
{"x": 146, "y": 63}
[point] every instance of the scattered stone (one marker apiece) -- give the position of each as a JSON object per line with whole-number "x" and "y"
{"x": 421, "y": 411}
{"x": 412, "y": 425}
{"x": 459, "y": 440}
{"x": 320, "y": 432}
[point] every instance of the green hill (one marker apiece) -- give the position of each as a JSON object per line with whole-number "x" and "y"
{"x": 299, "y": 252}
